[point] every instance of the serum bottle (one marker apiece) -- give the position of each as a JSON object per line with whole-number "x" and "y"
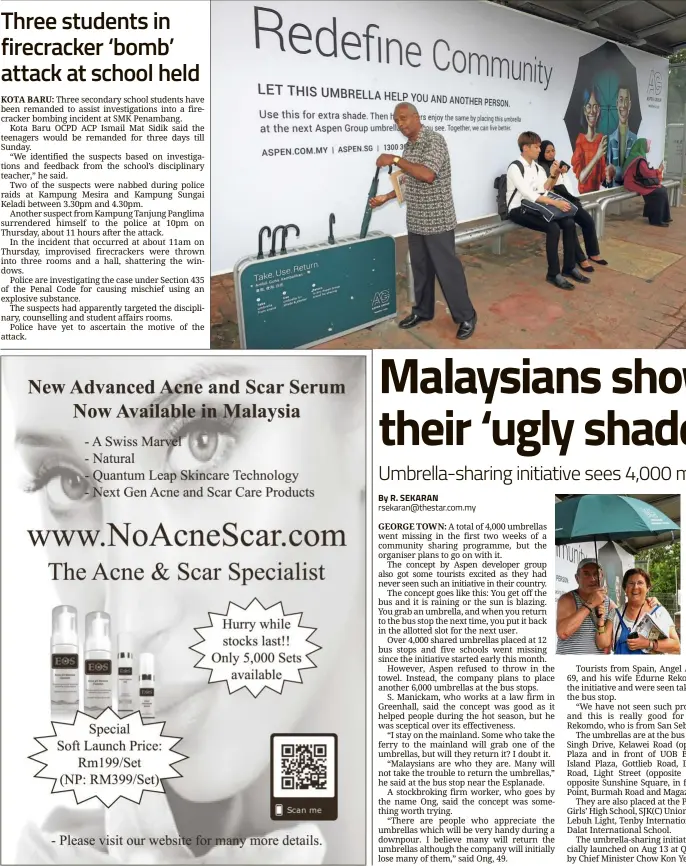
{"x": 64, "y": 673}
{"x": 98, "y": 664}
{"x": 125, "y": 686}
{"x": 146, "y": 687}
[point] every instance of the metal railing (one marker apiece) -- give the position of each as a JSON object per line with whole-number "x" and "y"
{"x": 674, "y": 190}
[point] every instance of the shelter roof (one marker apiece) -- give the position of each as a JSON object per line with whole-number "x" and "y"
{"x": 657, "y": 26}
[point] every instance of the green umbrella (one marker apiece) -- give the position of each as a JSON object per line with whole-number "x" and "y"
{"x": 366, "y": 219}
{"x": 596, "y": 516}
{"x": 611, "y": 517}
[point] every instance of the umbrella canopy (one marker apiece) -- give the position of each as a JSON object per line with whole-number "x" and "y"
{"x": 603, "y": 70}
{"x": 596, "y": 516}
{"x": 366, "y": 219}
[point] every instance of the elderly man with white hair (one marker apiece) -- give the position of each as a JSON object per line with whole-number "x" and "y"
{"x": 431, "y": 222}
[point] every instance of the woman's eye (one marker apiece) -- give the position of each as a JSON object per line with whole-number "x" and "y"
{"x": 203, "y": 444}
{"x": 63, "y": 487}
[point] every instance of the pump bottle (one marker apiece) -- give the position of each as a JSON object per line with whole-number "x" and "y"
{"x": 98, "y": 664}
{"x": 146, "y": 687}
{"x": 64, "y": 673}
{"x": 125, "y": 685}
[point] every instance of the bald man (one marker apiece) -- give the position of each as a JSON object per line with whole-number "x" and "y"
{"x": 431, "y": 222}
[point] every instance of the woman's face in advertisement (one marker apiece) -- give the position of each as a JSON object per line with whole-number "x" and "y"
{"x": 226, "y": 736}
{"x": 592, "y": 111}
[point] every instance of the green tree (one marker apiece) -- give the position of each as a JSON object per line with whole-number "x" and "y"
{"x": 663, "y": 565}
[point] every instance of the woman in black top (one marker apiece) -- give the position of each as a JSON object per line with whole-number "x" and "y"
{"x": 582, "y": 217}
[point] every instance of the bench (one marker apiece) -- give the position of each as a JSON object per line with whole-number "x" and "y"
{"x": 492, "y": 228}
{"x": 674, "y": 189}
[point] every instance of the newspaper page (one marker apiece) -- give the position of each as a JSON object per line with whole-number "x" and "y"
{"x": 361, "y": 605}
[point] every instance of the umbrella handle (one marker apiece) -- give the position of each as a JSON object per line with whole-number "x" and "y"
{"x": 285, "y": 235}
{"x": 332, "y": 220}
{"x": 272, "y": 251}
{"x": 260, "y": 254}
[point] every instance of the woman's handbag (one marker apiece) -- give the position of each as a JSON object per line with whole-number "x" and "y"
{"x": 548, "y": 211}
{"x": 645, "y": 181}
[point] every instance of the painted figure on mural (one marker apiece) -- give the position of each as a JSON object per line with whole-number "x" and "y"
{"x": 622, "y": 139}
{"x": 590, "y": 148}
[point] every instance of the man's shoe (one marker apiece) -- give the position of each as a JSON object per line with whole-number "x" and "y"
{"x": 466, "y": 329}
{"x": 576, "y": 274}
{"x": 411, "y": 321}
{"x": 560, "y": 282}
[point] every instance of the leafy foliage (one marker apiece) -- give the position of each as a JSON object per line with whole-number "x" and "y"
{"x": 663, "y": 565}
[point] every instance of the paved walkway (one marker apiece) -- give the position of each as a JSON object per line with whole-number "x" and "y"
{"x": 637, "y": 302}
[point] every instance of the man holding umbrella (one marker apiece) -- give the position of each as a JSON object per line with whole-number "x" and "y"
{"x": 584, "y": 615}
{"x": 431, "y": 222}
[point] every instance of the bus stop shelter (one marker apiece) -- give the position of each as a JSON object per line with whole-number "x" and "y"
{"x": 638, "y": 302}
{"x": 657, "y": 26}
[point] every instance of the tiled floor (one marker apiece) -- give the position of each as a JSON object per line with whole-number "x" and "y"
{"x": 638, "y": 301}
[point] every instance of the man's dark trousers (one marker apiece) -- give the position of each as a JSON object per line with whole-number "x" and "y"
{"x": 552, "y": 231}
{"x": 434, "y": 256}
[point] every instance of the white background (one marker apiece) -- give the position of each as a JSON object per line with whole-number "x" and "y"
{"x": 305, "y": 189}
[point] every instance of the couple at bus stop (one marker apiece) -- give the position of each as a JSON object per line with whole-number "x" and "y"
{"x": 534, "y": 187}
{"x": 588, "y": 622}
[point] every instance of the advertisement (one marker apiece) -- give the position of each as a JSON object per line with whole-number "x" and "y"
{"x": 197, "y": 608}
{"x": 318, "y": 83}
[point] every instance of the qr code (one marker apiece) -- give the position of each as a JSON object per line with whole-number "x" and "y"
{"x": 303, "y": 765}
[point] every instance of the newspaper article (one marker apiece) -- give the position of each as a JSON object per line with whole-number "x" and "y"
{"x": 354, "y": 606}
{"x": 507, "y": 730}
{"x": 105, "y": 175}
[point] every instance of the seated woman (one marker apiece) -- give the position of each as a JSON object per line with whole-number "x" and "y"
{"x": 639, "y": 177}
{"x": 582, "y": 218}
{"x": 636, "y": 584}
